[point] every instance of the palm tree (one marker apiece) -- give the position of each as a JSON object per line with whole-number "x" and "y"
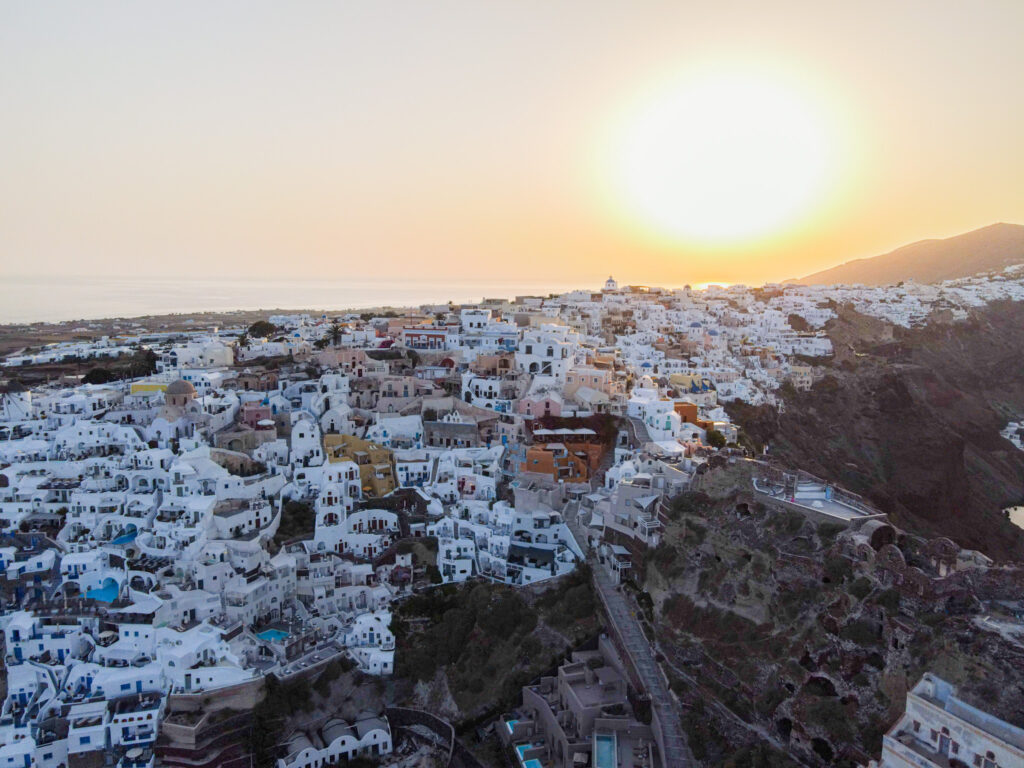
{"x": 335, "y": 333}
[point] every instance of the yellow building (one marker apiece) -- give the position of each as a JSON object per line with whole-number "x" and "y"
{"x": 148, "y": 387}
{"x": 376, "y": 463}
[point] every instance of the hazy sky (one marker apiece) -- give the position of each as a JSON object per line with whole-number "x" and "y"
{"x": 470, "y": 140}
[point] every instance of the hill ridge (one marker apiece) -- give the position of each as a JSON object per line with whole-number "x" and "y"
{"x": 932, "y": 260}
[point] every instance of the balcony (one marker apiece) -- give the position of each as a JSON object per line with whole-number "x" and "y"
{"x": 141, "y": 736}
{"x": 648, "y": 524}
{"x": 918, "y": 753}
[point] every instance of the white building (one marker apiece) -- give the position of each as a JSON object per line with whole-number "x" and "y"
{"x": 938, "y": 727}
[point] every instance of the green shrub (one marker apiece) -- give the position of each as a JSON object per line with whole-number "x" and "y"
{"x": 297, "y": 519}
{"x": 827, "y": 532}
{"x": 889, "y": 600}
{"x": 832, "y": 716}
{"x": 861, "y": 632}
{"x": 695, "y": 534}
{"x": 689, "y": 503}
{"x": 838, "y": 569}
{"x": 860, "y": 588}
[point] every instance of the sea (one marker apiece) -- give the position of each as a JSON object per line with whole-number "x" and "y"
{"x": 1016, "y": 516}
{"x": 30, "y": 299}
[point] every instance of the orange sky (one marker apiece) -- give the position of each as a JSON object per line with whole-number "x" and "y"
{"x": 468, "y": 140}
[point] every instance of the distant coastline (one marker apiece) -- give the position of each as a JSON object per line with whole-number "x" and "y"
{"x": 33, "y": 300}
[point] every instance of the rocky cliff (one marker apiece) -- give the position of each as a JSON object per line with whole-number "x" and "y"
{"x": 778, "y": 630}
{"x": 911, "y": 420}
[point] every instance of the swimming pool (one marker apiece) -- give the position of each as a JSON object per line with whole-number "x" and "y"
{"x": 521, "y": 750}
{"x": 103, "y": 594}
{"x": 272, "y": 635}
{"x": 604, "y": 751}
{"x": 510, "y": 724}
{"x": 127, "y": 538}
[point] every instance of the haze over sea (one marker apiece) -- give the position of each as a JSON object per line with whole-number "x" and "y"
{"x": 30, "y": 299}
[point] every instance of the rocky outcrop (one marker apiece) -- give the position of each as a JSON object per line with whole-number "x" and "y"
{"x": 808, "y": 635}
{"x": 913, "y": 423}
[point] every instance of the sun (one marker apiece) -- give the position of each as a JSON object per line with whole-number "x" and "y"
{"x": 722, "y": 157}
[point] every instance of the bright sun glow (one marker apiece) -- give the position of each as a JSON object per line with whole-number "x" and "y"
{"x": 722, "y": 157}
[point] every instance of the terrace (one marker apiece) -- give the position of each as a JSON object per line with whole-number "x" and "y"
{"x": 134, "y": 703}
{"x": 802, "y": 490}
{"x": 315, "y": 657}
{"x": 137, "y": 757}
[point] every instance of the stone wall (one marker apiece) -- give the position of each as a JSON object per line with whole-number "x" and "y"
{"x": 458, "y": 755}
{"x": 244, "y": 696}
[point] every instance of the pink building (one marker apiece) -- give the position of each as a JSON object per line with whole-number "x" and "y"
{"x": 252, "y": 413}
{"x": 548, "y": 404}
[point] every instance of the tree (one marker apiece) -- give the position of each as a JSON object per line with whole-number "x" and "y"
{"x": 243, "y": 340}
{"x": 297, "y": 519}
{"x": 98, "y": 376}
{"x": 335, "y": 333}
{"x": 261, "y": 329}
{"x": 716, "y": 439}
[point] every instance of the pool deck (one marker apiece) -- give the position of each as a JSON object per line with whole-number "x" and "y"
{"x": 814, "y": 499}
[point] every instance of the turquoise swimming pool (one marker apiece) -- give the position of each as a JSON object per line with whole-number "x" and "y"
{"x": 510, "y": 724}
{"x": 521, "y": 749}
{"x": 127, "y": 538}
{"x": 272, "y": 635}
{"x": 604, "y": 751}
{"x": 103, "y": 594}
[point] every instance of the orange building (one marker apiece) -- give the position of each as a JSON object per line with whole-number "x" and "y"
{"x": 570, "y": 461}
{"x": 687, "y": 412}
